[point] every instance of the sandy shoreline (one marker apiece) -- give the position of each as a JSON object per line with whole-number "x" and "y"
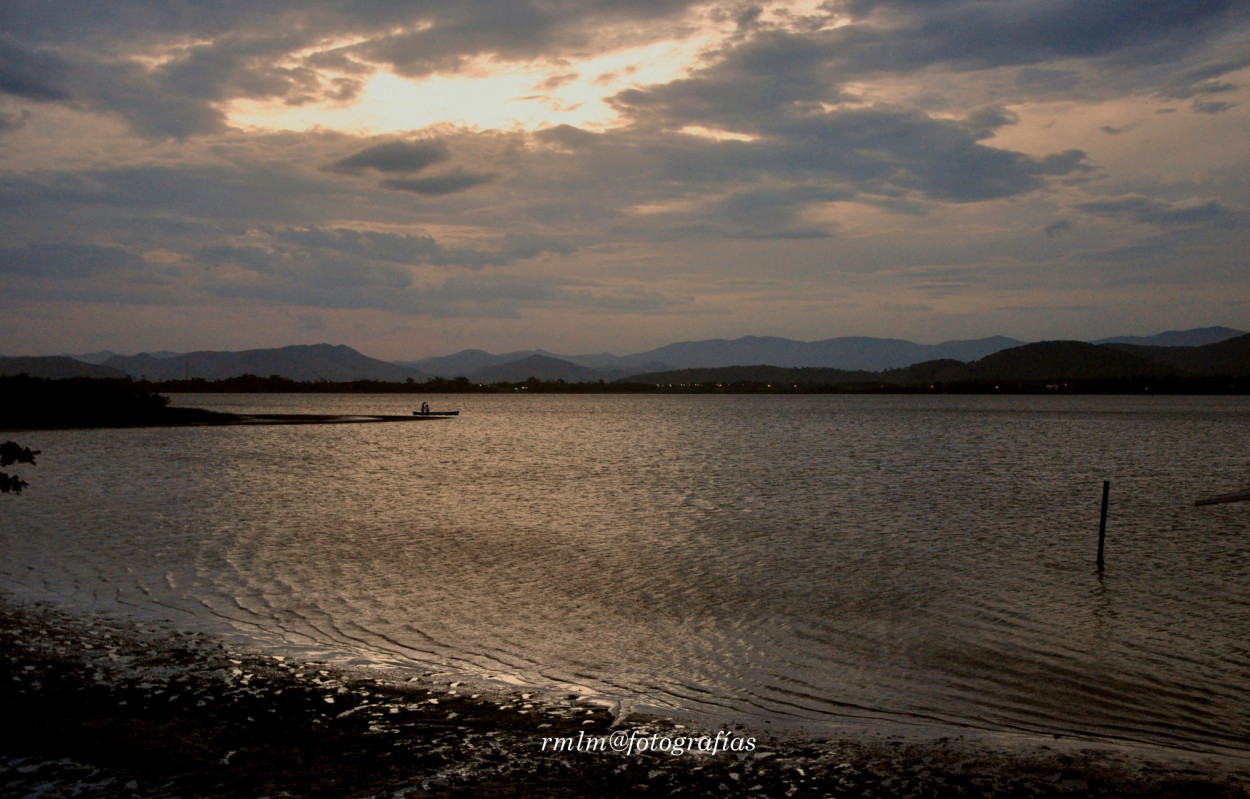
{"x": 103, "y": 708}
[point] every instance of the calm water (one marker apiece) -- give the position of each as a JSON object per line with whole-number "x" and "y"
{"x": 813, "y": 560}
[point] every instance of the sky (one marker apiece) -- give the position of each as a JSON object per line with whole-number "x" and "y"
{"x": 416, "y": 178}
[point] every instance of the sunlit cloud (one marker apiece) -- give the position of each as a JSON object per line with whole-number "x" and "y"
{"x": 619, "y": 175}
{"x": 489, "y": 94}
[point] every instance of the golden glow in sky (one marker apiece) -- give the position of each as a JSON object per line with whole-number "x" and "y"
{"x": 495, "y": 95}
{"x": 806, "y": 168}
{"x": 491, "y": 96}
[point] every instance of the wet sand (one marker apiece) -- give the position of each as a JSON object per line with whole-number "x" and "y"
{"x": 103, "y": 708}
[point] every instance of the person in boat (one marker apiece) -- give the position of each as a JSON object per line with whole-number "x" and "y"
{"x": 425, "y": 408}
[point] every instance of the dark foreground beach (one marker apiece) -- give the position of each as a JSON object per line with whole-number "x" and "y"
{"x": 102, "y": 708}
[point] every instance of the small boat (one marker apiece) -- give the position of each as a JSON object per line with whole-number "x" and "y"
{"x": 1236, "y": 496}
{"x": 435, "y": 413}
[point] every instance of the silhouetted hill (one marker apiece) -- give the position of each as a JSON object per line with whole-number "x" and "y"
{"x": 921, "y": 374}
{"x": 1228, "y": 357}
{"x": 1197, "y": 337}
{"x": 98, "y": 357}
{"x": 1040, "y": 364}
{"x": 541, "y": 367}
{"x": 474, "y": 363}
{"x": 299, "y": 362}
{"x": 969, "y": 350}
{"x": 56, "y": 367}
{"x": 850, "y": 353}
{"x": 754, "y": 375}
{"x": 925, "y": 374}
{"x": 464, "y": 363}
{"x": 846, "y": 358}
{"x": 1056, "y": 361}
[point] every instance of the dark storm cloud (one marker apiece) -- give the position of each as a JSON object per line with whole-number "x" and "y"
{"x": 1213, "y": 107}
{"x": 30, "y": 73}
{"x": 756, "y": 214}
{"x": 10, "y": 121}
{"x": 254, "y": 259}
{"x": 518, "y": 25}
{"x": 983, "y": 123}
{"x": 772, "y": 213}
{"x": 803, "y": 142}
{"x": 1058, "y": 229}
{"x": 325, "y": 283}
{"x": 65, "y": 260}
{"x": 454, "y": 33}
{"x": 775, "y": 72}
{"x": 99, "y": 54}
{"x": 288, "y": 269}
{"x": 787, "y": 71}
{"x": 62, "y": 51}
{"x": 887, "y": 150}
{"x": 994, "y": 34}
{"x": 1204, "y": 79}
{"x": 436, "y": 185}
{"x": 57, "y": 50}
{"x": 504, "y": 296}
{"x": 413, "y": 249}
{"x": 1041, "y": 80}
{"x": 882, "y": 151}
{"x": 180, "y": 96}
{"x": 148, "y": 102}
{"x": 226, "y": 196}
{"x": 885, "y": 155}
{"x": 1163, "y": 214}
{"x": 979, "y": 34}
{"x": 399, "y": 248}
{"x": 395, "y": 156}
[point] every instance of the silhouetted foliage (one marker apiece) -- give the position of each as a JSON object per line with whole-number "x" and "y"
{"x": 10, "y": 453}
{"x": 38, "y": 403}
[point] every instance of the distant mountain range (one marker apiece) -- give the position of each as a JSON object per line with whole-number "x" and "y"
{"x": 309, "y": 362}
{"x": 533, "y": 365}
{"x": 1211, "y": 350}
{"x": 850, "y": 354}
{"x": 1077, "y": 360}
{"x": 1197, "y": 337}
{"x": 854, "y": 353}
{"x": 1043, "y": 363}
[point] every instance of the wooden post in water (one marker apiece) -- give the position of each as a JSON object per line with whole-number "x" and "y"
{"x": 1102, "y": 521}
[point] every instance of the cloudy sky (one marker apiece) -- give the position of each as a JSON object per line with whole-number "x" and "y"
{"x": 417, "y": 177}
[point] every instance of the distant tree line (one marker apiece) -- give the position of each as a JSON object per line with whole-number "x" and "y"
{"x": 27, "y": 402}
{"x": 1163, "y": 385}
{"x": 772, "y": 380}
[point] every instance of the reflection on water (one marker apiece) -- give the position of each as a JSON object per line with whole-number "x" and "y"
{"x": 908, "y": 559}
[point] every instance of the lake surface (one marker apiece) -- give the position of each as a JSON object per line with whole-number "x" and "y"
{"x": 803, "y": 561}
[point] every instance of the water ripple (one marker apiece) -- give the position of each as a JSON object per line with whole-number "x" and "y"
{"x": 798, "y": 558}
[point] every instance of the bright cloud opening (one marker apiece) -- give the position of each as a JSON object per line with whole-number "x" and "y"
{"x": 490, "y": 95}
